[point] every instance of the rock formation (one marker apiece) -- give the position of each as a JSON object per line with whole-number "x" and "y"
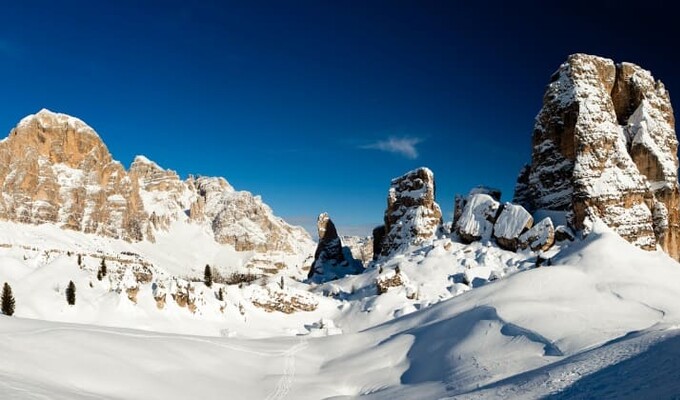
{"x": 55, "y": 169}
{"x": 477, "y": 219}
{"x": 460, "y": 201}
{"x": 510, "y": 224}
{"x": 412, "y": 215}
{"x": 604, "y": 145}
{"x": 540, "y": 237}
{"x": 329, "y": 249}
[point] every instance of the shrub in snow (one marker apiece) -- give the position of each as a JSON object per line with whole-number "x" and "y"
{"x": 8, "y": 303}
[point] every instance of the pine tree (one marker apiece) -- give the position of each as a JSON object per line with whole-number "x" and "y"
{"x": 7, "y": 300}
{"x": 99, "y": 275}
{"x": 207, "y": 276}
{"x": 80, "y": 260}
{"x": 71, "y": 293}
{"x": 220, "y": 295}
{"x": 102, "y": 269}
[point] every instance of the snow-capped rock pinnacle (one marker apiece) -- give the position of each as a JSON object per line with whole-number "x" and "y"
{"x": 329, "y": 249}
{"x": 604, "y": 145}
{"x": 412, "y": 215}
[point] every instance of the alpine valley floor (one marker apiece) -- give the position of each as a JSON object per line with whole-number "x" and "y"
{"x": 600, "y": 322}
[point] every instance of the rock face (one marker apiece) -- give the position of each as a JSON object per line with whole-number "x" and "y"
{"x": 604, "y": 145}
{"x": 55, "y": 169}
{"x": 412, "y": 215}
{"x": 242, "y": 220}
{"x": 361, "y": 247}
{"x": 329, "y": 249}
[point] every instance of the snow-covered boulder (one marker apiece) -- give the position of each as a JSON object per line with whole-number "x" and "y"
{"x": 540, "y": 237}
{"x": 412, "y": 216}
{"x": 478, "y": 217}
{"x": 511, "y": 223}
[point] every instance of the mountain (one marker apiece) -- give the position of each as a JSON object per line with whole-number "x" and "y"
{"x": 604, "y": 145}
{"x": 55, "y": 169}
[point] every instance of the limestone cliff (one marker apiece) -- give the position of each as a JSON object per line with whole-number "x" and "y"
{"x": 604, "y": 145}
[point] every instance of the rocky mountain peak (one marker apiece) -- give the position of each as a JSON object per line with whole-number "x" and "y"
{"x": 55, "y": 169}
{"x": 58, "y": 138}
{"x": 604, "y": 145}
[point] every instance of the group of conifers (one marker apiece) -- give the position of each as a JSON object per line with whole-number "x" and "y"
{"x": 8, "y": 303}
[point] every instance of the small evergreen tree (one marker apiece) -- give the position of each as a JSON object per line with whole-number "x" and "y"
{"x": 80, "y": 260}
{"x": 7, "y": 300}
{"x": 99, "y": 275}
{"x": 71, "y": 293}
{"x": 220, "y": 295}
{"x": 207, "y": 276}
{"x": 102, "y": 268}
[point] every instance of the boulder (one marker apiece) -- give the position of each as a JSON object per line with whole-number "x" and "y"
{"x": 540, "y": 237}
{"x": 510, "y": 224}
{"x": 477, "y": 219}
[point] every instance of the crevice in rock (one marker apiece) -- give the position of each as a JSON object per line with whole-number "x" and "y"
{"x": 625, "y": 96}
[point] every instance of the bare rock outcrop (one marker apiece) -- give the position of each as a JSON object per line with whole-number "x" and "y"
{"x": 329, "y": 249}
{"x": 412, "y": 216}
{"x": 604, "y": 145}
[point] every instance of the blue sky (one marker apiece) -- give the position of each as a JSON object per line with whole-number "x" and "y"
{"x": 316, "y": 105}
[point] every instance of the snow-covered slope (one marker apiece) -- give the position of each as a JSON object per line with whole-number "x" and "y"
{"x": 604, "y": 312}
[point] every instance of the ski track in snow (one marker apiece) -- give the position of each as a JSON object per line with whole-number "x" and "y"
{"x": 169, "y": 337}
{"x": 286, "y": 381}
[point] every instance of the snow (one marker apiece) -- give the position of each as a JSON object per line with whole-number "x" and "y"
{"x": 512, "y": 221}
{"x": 142, "y": 159}
{"x": 477, "y": 217}
{"x": 591, "y": 324}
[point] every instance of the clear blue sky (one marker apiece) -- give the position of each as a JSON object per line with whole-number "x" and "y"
{"x": 302, "y": 102}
